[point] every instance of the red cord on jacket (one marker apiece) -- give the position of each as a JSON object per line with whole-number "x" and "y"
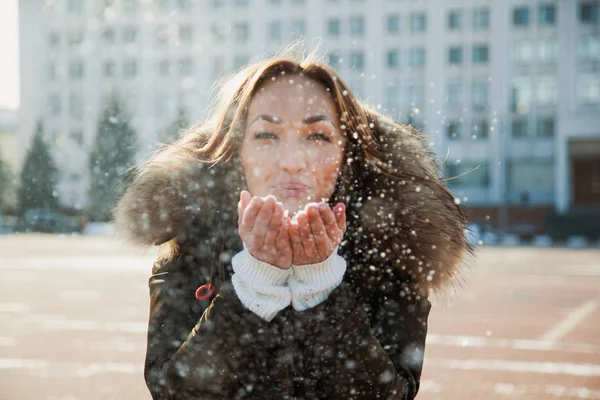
{"x": 210, "y": 288}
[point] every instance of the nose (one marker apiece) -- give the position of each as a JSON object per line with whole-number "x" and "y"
{"x": 292, "y": 159}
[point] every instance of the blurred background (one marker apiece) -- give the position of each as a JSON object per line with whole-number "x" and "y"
{"x": 508, "y": 92}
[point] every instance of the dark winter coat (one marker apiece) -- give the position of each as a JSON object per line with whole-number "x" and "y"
{"x": 366, "y": 341}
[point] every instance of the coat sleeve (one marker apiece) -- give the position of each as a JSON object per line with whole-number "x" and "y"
{"x": 399, "y": 321}
{"x": 198, "y": 350}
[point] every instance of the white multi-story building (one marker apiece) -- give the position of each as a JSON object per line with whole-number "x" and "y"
{"x": 510, "y": 86}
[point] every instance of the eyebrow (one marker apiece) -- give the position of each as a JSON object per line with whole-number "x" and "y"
{"x": 306, "y": 121}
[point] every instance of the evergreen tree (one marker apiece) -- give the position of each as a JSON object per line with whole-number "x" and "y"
{"x": 6, "y": 184}
{"x": 39, "y": 176}
{"x": 172, "y": 132}
{"x": 113, "y": 154}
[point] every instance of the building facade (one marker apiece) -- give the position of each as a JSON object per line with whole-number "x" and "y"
{"x": 509, "y": 91}
{"x": 8, "y": 157}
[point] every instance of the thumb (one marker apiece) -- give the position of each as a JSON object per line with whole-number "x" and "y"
{"x": 245, "y": 198}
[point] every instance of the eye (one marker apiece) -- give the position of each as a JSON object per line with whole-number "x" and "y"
{"x": 320, "y": 136}
{"x": 264, "y": 135}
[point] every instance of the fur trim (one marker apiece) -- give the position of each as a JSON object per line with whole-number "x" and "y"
{"x": 411, "y": 225}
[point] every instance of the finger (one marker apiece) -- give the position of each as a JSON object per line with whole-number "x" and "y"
{"x": 331, "y": 227}
{"x": 283, "y": 242}
{"x": 323, "y": 243}
{"x": 340, "y": 216}
{"x": 262, "y": 221}
{"x": 273, "y": 228}
{"x": 308, "y": 241}
{"x": 245, "y": 198}
{"x": 249, "y": 215}
{"x": 295, "y": 240}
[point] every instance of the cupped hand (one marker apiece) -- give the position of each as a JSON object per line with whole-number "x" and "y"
{"x": 264, "y": 228}
{"x": 316, "y": 232}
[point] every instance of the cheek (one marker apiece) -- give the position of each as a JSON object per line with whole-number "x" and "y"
{"x": 326, "y": 167}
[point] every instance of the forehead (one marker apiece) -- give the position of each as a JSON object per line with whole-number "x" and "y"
{"x": 292, "y": 94}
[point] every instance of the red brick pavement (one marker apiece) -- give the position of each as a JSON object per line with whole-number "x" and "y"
{"x": 73, "y": 314}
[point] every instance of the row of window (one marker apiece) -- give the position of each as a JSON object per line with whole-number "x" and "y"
{"x": 520, "y": 128}
{"x": 479, "y": 54}
{"x": 523, "y": 176}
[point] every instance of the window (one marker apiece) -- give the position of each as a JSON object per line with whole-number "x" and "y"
{"x": 275, "y": 2}
{"x": 547, "y": 51}
{"x": 240, "y": 32}
{"x": 54, "y": 39}
{"x": 480, "y": 95}
{"x": 240, "y": 60}
{"x": 520, "y": 127}
{"x": 185, "y": 67}
{"x": 588, "y": 89}
{"x": 417, "y": 57}
{"x": 525, "y": 175}
{"x": 418, "y": 22}
{"x": 75, "y": 106}
{"x": 357, "y": 25}
{"x": 455, "y": 94}
{"x": 545, "y": 127}
{"x": 455, "y": 20}
{"x": 76, "y": 69}
{"x": 521, "y": 95}
{"x": 186, "y": 34}
{"x": 75, "y": 37}
{"x": 130, "y": 6}
{"x": 481, "y": 19}
{"x": 218, "y": 3}
{"x": 393, "y": 59}
{"x": 52, "y": 71}
{"x": 393, "y": 24}
{"x": 75, "y": 6}
{"x": 589, "y": 12}
{"x": 357, "y": 60}
{"x": 163, "y": 67}
{"x": 76, "y": 136}
{"x": 546, "y": 90}
{"x": 218, "y": 31}
{"x": 521, "y": 16}
{"x": 109, "y": 36}
{"x": 109, "y": 69}
{"x": 298, "y": 2}
{"x": 481, "y": 129}
{"x": 481, "y": 53}
{"x": 183, "y": 5}
{"x": 275, "y": 30}
{"x": 54, "y": 104}
{"x": 334, "y": 60}
{"x": 588, "y": 48}
{"x": 469, "y": 174}
{"x": 333, "y": 27}
{"x": 129, "y": 34}
{"x": 416, "y": 95}
{"x": 163, "y": 4}
{"x": 453, "y": 130}
{"x": 547, "y": 14}
{"x": 298, "y": 27}
{"x": 455, "y": 55}
{"x": 130, "y": 68}
{"x": 522, "y": 52}
{"x": 241, "y": 3}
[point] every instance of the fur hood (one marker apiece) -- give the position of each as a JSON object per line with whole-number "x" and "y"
{"x": 411, "y": 225}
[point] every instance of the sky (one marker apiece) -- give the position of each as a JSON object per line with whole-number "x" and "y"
{"x": 9, "y": 54}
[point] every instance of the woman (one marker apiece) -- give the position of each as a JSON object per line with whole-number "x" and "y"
{"x": 328, "y": 227}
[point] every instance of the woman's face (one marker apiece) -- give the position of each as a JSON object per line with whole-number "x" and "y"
{"x": 293, "y": 145}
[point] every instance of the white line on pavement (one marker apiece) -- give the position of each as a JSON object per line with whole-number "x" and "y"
{"x": 550, "y": 368}
{"x": 515, "y": 344}
{"x": 565, "y": 326}
{"x": 552, "y": 390}
{"x": 68, "y": 369}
